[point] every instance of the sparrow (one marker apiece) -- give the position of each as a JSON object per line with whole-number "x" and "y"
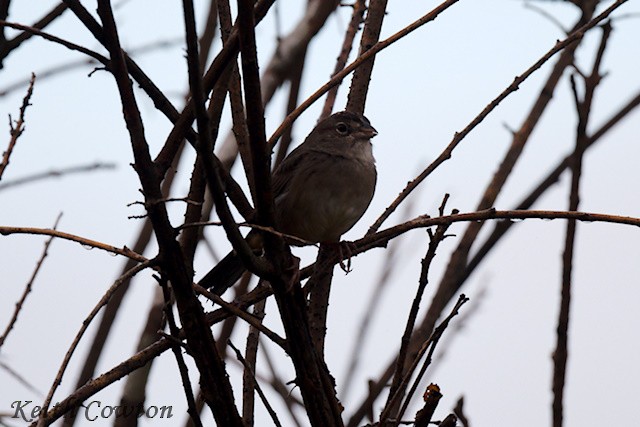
{"x": 321, "y": 189}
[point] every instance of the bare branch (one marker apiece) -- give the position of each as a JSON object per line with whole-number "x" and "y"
{"x": 17, "y": 130}
{"x": 576, "y": 35}
{"x": 56, "y": 173}
{"x": 27, "y": 288}
{"x": 88, "y": 243}
{"x": 583, "y": 107}
{"x": 362, "y": 75}
{"x": 337, "y": 79}
{"x": 359, "y": 7}
{"x": 43, "y": 420}
{"x": 247, "y": 367}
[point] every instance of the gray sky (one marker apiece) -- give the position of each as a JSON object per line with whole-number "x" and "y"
{"x": 424, "y": 88}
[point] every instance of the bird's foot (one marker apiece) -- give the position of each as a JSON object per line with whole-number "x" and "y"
{"x": 345, "y": 251}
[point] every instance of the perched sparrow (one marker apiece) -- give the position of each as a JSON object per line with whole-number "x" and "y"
{"x": 321, "y": 189}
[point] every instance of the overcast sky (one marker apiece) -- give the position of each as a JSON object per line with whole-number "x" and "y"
{"x": 424, "y": 89}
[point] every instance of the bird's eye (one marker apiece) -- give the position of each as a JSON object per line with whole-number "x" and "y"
{"x": 342, "y": 128}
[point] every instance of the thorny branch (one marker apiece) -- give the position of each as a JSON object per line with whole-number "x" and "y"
{"x": 17, "y": 128}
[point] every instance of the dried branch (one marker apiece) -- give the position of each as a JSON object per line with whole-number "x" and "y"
{"x": 249, "y": 382}
{"x": 263, "y": 398}
{"x": 568, "y": 45}
{"x": 56, "y": 173}
{"x": 43, "y": 419}
{"x": 359, "y": 7}
{"x": 551, "y": 178}
{"x": 260, "y": 158}
{"x": 430, "y": 344}
{"x": 434, "y": 241}
{"x": 177, "y": 352}
{"x": 7, "y": 46}
{"x": 253, "y": 321}
{"x": 337, "y": 79}
{"x": 370, "y": 35}
{"x": 18, "y": 128}
{"x": 583, "y": 107}
{"x": 435, "y": 338}
{"x": 126, "y": 252}
{"x": 27, "y": 288}
{"x": 69, "y": 45}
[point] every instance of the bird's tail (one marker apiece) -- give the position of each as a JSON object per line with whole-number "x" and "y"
{"x": 224, "y": 275}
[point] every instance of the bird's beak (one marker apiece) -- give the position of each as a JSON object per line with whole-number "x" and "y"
{"x": 369, "y": 131}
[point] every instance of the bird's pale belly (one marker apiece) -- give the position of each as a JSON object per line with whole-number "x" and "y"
{"x": 334, "y": 206}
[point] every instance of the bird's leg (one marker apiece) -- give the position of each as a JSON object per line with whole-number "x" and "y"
{"x": 345, "y": 251}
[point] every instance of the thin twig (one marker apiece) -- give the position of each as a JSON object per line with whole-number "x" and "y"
{"x": 247, "y": 317}
{"x": 583, "y": 107}
{"x": 517, "y": 81}
{"x": 85, "y": 325}
{"x": 295, "y": 79}
{"x": 272, "y": 413}
{"x": 458, "y": 410}
{"x": 281, "y": 388}
{"x": 349, "y": 36}
{"x": 87, "y": 243}
{"x": 431, "y": 343}
{"x": 337, "y": 79}
{"x": 27, "y": 288}
{"x": 249, "y": 383}
{"x": 370, "y": 36}
{"x": 16, "y": 375}
{"x": 56, "y": 173}
{"x": 69, "y": 45}
{"x": 177, "y": 352}
{"x": 434, "y": 241}
{"x": 47, "y": 19}
{"x": 18, "y": 128}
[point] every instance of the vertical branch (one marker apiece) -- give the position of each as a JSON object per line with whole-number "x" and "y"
{"x": 214, "y": 381}
{"x": 134, "y": 390}
{"x": 362, "y": 75}
{"x": 319, "y": 285}
{"x": 434, "y": 241}
{"x": 313, "y": 377}
{"x": 583, "y": 108}
{"x": 295, "y": 79}
{"x": 17, "y": 130}
{"x": 260, "y": 157}
{"x": 193, "y": 412}
{"x": 455, "y": 271}
{"x": 450, "y": 283}
{"x": 352, "y": 29}
{"x": 248, "y": 376}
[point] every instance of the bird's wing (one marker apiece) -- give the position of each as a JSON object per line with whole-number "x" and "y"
{"x": 283, "y": 173}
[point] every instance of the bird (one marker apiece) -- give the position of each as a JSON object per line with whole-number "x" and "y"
{"x": 321, "y": 189}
